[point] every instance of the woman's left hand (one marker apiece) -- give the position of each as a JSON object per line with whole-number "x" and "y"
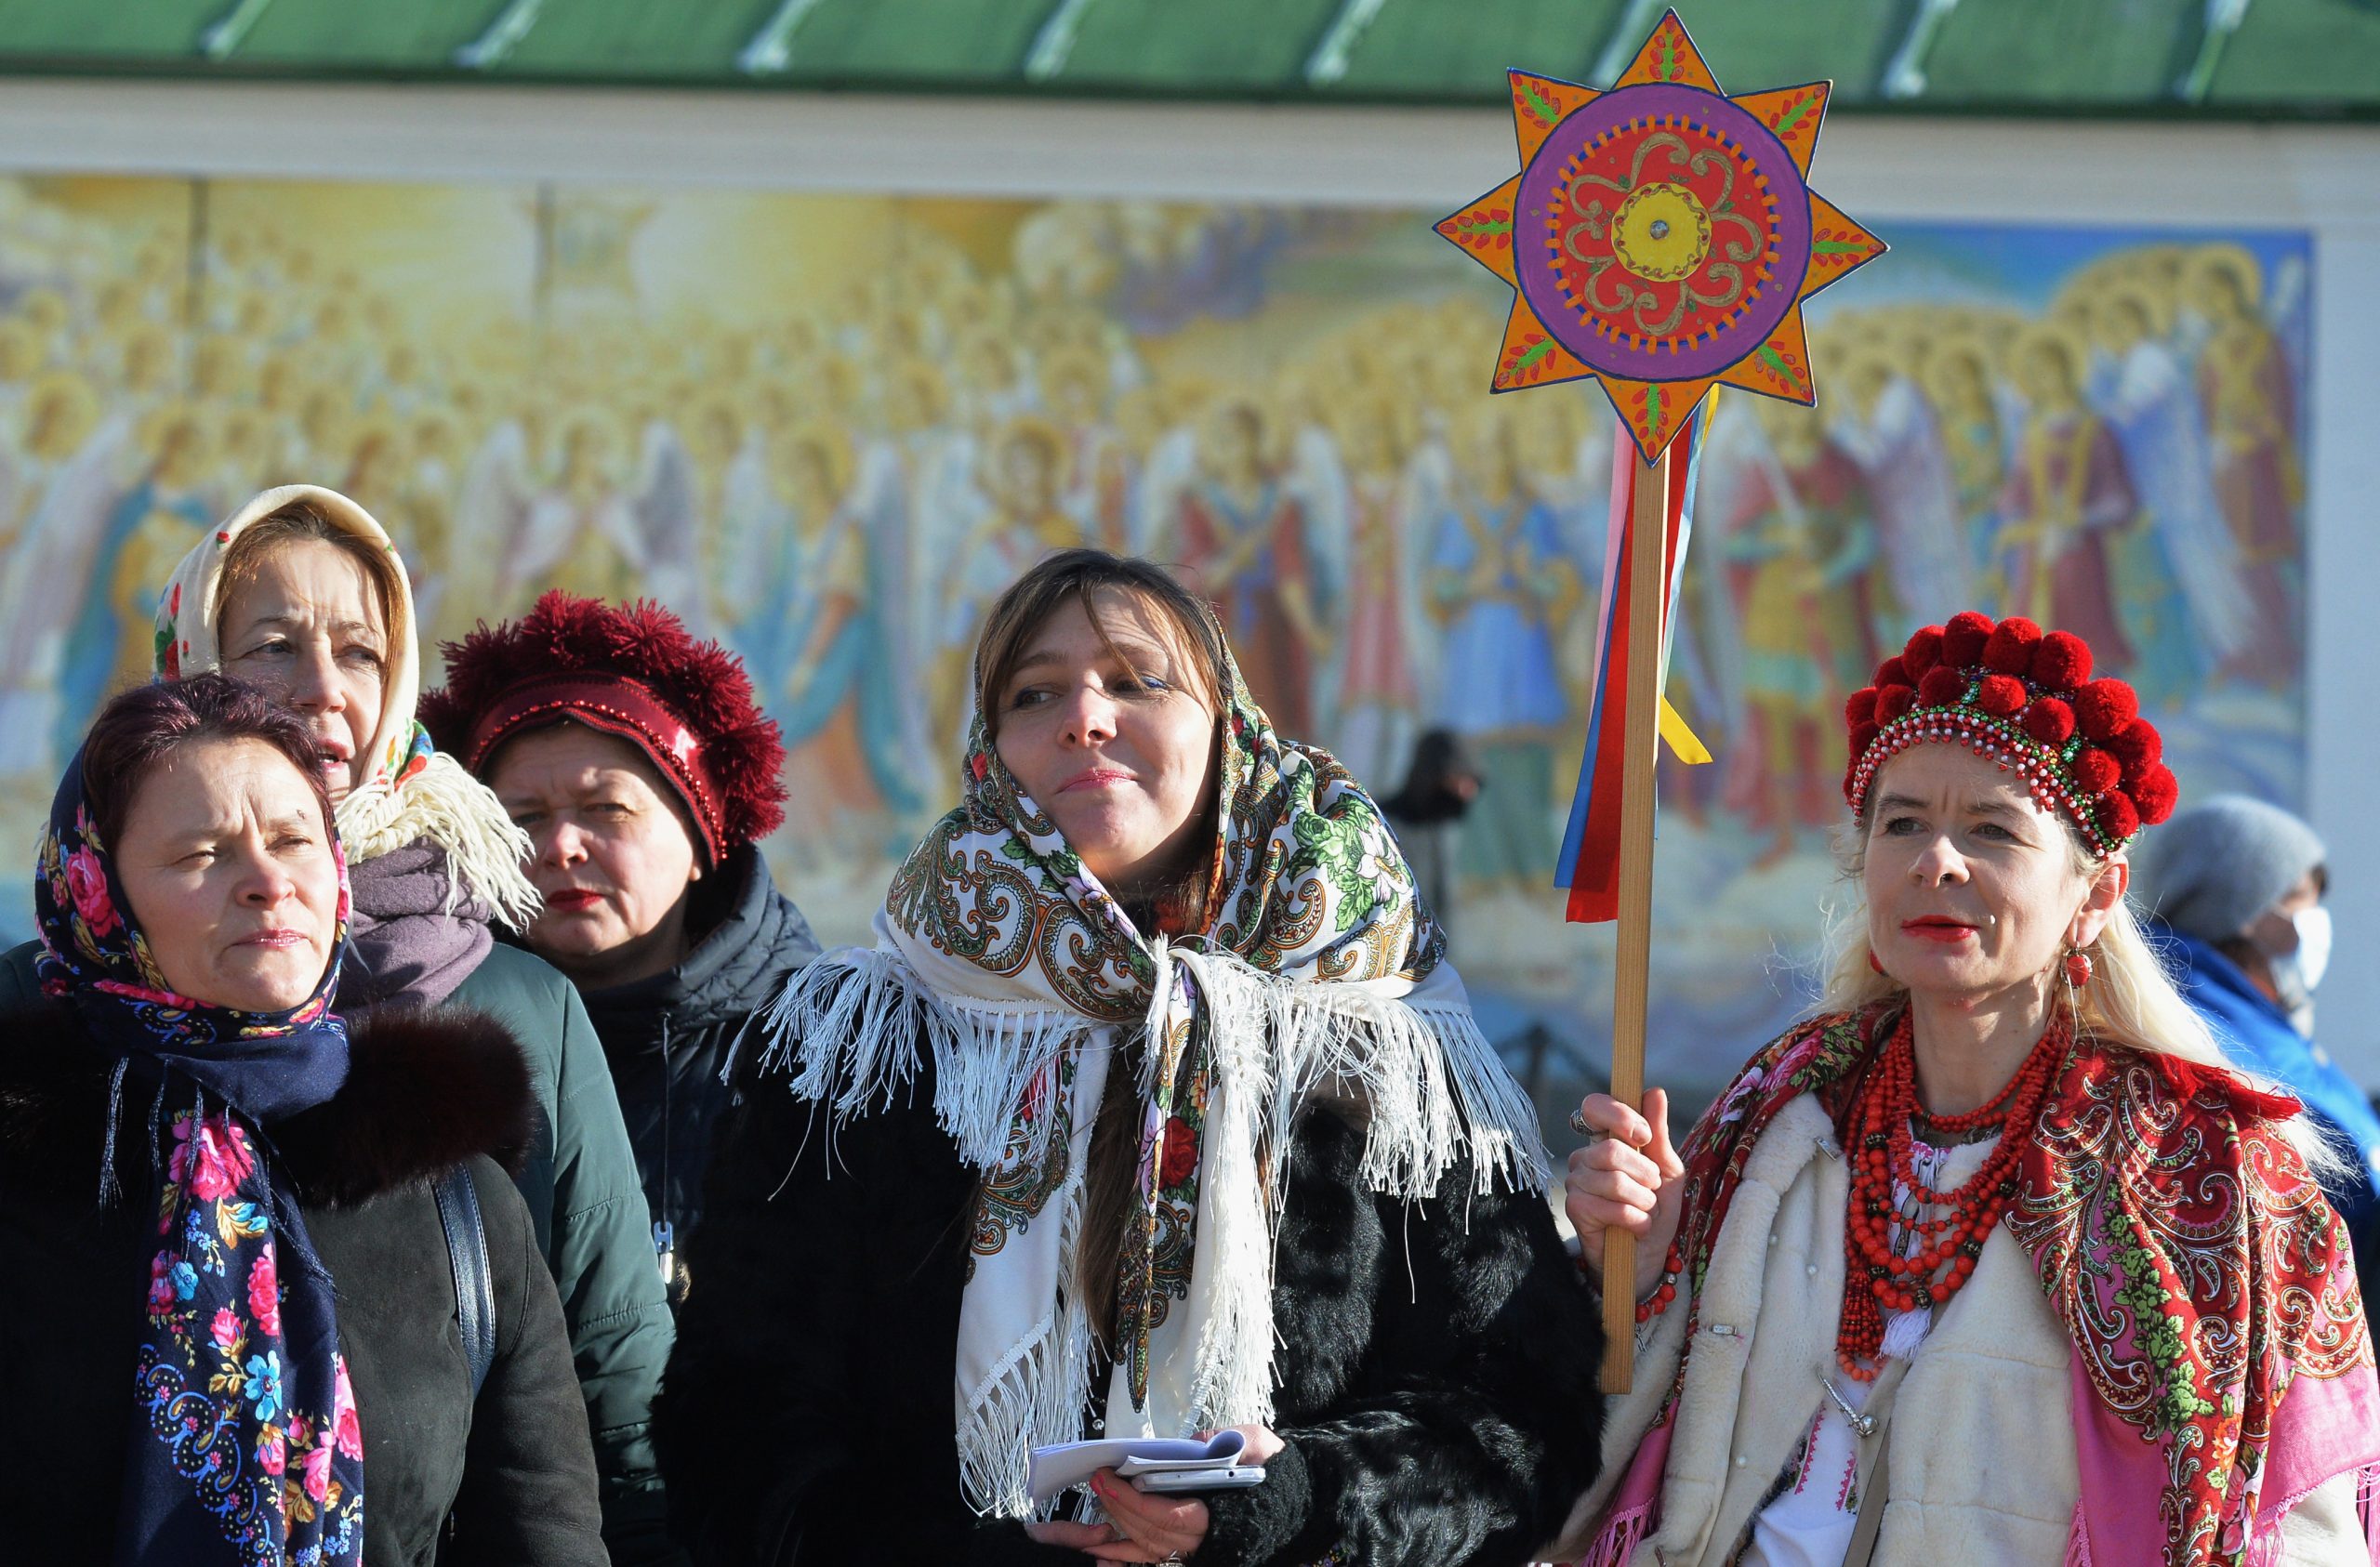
{"x": 1139, "y": 1527}
{"x": 1149, "y": 1526}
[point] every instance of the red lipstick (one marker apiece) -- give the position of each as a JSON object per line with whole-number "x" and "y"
{"x": 1937, "y": 927}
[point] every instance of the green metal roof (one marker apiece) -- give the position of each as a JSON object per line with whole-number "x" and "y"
{"x": 2230, "y": 58}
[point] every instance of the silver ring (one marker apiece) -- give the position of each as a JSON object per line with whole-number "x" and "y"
{"x": 1578, "y": 1123}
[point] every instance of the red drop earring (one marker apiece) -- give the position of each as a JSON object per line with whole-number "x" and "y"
{"x": 2078, "y": 968}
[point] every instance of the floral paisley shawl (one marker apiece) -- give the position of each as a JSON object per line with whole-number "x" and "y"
{"x": 1319, "y": 970}
{"x": 246, "y": 1445}
{"x": 2198, "y": 1274}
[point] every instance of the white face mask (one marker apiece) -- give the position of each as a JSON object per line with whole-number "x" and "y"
{"x": 2313, "y": 943}
{"x": 2295, "y": 974}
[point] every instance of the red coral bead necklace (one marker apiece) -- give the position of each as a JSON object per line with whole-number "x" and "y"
{"x": 1946, "y": 1232}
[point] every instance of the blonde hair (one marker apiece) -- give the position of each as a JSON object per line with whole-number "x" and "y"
{"x": 2129, "y": 1000}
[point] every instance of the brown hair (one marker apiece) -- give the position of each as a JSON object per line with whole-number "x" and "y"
{"x": 138, "y": 731}
{"x": 303, "y": 521}
{"x": 1078, "y": 576}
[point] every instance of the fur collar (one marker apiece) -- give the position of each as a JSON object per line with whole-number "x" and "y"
{"x": 425, "y": 1090}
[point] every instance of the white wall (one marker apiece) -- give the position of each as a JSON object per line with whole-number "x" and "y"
{"x": 2324, "y": 180}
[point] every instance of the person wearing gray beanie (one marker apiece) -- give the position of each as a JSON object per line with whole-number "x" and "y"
{"x": 2234, "y": 888}
{"x": 2224, "y": 864}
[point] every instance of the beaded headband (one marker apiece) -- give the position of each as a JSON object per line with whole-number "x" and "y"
{"x": 616, "y": 705}
{"x": 2024, "y": 700}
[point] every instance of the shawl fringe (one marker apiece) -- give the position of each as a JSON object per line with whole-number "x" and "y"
{"x": 1042, "y": 1390}
{"x": 458, "y": 813}
{"x": 2077, "y": 1540}
{"x": 852, "y": 1031}
{"x": 1616, "y": 1543}
{"x": 1429, "y": 1085}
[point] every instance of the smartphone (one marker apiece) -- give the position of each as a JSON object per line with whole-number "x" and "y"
{"x": 1226, "y": 1479}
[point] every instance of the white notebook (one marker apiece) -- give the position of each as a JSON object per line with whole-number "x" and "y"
{"x": 1067, "y": 1464}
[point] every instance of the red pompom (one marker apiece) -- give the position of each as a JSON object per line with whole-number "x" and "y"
{"x": 2156, "y": 793}
{"x": 1863, "y": 736}
{"x": 700, "y": 682}
{"x": 2000, "y": 695}
{"x": 2104, "y": 706}
{"x": 2062, "y": 662}
{"x": 1861, "y": 709}
{"x": 1942, "y": 687}
{"x": 2137, "y": 744}
{"x": 1893, "y": 672}
{"x": 2049, "y": 721}
{"x": 1894, "y": 702}
{"x": 1963, "y": 638}
{"x": 1925, "y": 650}
{"x": 2096, "y": 772}
{"x": 2009, "y": 648}
{"x": 2118, "y": 818}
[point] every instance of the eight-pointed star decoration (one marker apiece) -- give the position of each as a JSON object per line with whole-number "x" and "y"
{"x": 1661, "y": 237}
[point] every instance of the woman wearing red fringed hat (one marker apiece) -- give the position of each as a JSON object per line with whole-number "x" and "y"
{"x": 1991, "y": 1260}
{"x": 301, "y": 593}
{"x": 636, "y": 760}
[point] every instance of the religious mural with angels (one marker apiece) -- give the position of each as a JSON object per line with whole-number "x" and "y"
{"x": 827, "y": 429}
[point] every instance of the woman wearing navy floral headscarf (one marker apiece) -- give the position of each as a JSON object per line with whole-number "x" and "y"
{"x": 240, "y": 1301}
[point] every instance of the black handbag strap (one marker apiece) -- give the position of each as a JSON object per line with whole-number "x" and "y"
{"x": 458, "y": 1214}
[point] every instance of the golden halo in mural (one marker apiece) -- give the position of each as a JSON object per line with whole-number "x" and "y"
{"x": 1661, "y": 231}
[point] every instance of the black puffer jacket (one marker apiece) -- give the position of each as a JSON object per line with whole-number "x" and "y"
{"x": 1437, "y": 1362}
{"x": 668, "y": 1037}
{"x": 424, "y": 1093}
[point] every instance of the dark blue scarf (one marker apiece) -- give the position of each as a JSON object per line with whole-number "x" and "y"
{"x": 244, "y": 1448}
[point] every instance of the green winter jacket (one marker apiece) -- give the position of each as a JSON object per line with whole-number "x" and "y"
{"x": 588, "y": 1210}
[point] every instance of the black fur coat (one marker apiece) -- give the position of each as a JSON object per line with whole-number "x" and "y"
{"x": 511, "y": 1479}
{"x": 1437, "y": 1362}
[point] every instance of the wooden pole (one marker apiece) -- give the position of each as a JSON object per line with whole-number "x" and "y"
{"x": 1647, "y": 564}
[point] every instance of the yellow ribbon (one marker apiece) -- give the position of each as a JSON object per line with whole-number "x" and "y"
{"x": 1683, "y": 744}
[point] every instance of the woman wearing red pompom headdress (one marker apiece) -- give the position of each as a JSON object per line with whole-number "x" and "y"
{"x": 644, "y": 772}
{"x": 2067, "y": 1284}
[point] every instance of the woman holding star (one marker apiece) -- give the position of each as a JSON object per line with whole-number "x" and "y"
{"x": 1992, "y": 1260}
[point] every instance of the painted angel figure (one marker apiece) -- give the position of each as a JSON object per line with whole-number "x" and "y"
{"x": 2249, "y": 392}
{"x": 2070, "y": 491}
{"x": 1378, "y": 696}
{"x": 1974, "y": 443}
{"x": 938, "y": 500}
{"x": 581, "y": 532}
{"x": 1893, "y": 436}
{"x": 745, "y": 547}
{"x": 73, "y": 458}
{"x": 1500, "y": 580}
{"x": 665, "y": 508}
{"x": 1024, "y": 477}
{"x": 1800, "y": 550}
{"x": 1243, "y": 532}
{"x": 2151, "y": 404}
{"x": 828, "y": 674}
{"x": 150, "y": 526}
{"x": 500, "y": 481}
{"x": 1074, "y": 390}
